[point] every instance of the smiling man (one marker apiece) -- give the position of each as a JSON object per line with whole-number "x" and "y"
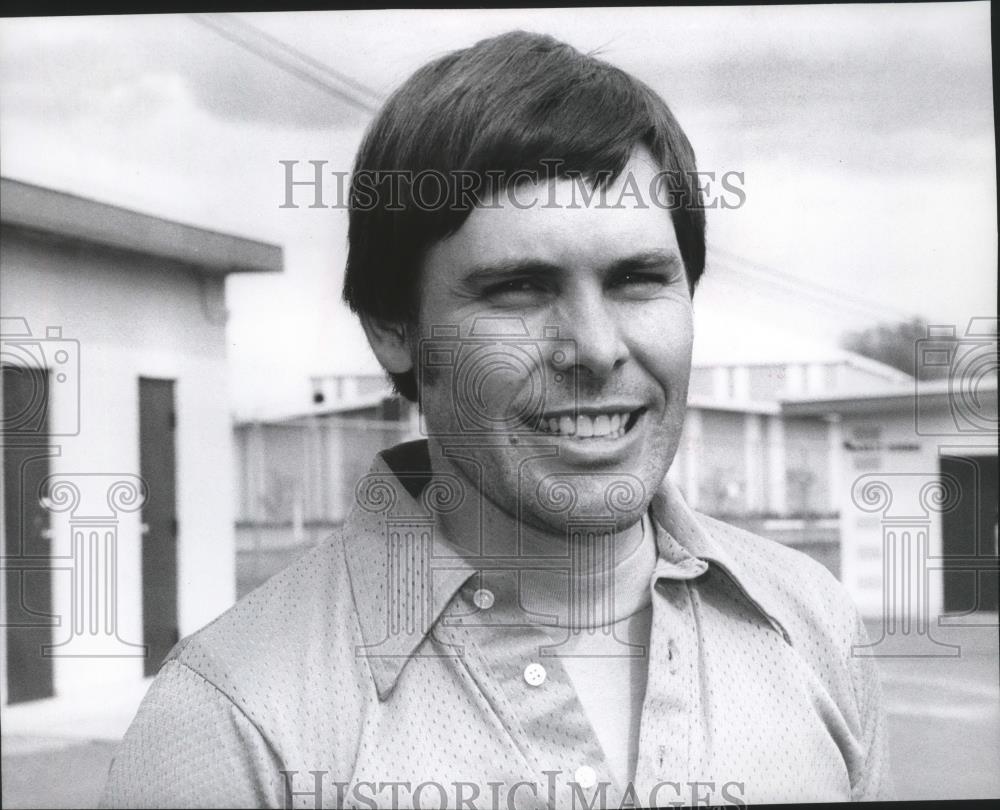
{"x": 522, "y": 611}
{"x": 609, "y": 285}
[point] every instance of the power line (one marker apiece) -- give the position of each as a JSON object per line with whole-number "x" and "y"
{"x": 288, "y": 59}
{"x": 795, "y": 304}
{"x": 374, "y": 96}
{"x": 772, "y": 293}
{"x": 748, "y": 278}
{"x": 835, "y": 312}
{"x": 801, "y": 287}
{"x": 806, "y": 287}
{"x": 308, "y": 69}
{"x": 803, "y": 283}
{"x": 802, "y": 292}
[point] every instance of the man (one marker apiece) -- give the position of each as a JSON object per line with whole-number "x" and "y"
{"x": 521, "y": 611}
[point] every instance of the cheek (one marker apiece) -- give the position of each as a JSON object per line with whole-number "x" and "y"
{"x": 662, "y": 341}
{"x": 485, "y": 386}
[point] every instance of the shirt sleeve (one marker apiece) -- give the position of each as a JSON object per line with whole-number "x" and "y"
{"x": 872, "y": 780}
{"x": 190, "y": 746}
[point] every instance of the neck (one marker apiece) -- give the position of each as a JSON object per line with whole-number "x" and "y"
{"x": 480, "y": 527}
{"x": 612, "y": 585}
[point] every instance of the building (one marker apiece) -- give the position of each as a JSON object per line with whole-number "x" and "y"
{"x": 296, "y": 475}
{"x": 829, "y": 371}
{"x": 793, "y": 446}
{"x": 117, "y": 438}
{"x": 745, "y": 460}
{"x": 889, "y": 481}
{"x": 916, "y": 495}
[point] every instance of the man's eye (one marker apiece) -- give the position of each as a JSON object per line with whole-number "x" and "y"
{"x": 638, "y": 279}
{"x": 514, "y": 288}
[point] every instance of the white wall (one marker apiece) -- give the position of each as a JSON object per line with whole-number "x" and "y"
{"x": 134, "y": 317}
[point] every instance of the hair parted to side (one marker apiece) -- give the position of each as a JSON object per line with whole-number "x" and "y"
{"x": 514, "y": 103}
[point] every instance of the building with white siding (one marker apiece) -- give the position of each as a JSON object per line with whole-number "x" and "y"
{"x": 792, "y": 449}
{"x": 118, "y": 490}
{"x": 916, "y": 495}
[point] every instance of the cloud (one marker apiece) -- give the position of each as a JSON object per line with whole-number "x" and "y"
{"x": 865, "y": 132}
{"x": 61, "y": 69}
{"x": 776, "y": 77}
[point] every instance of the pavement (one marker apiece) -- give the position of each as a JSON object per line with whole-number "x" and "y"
{"x": 54, "y": 772}
{"x": 56, "y": 752}
{"x": 943, "y": 713}
{"x": 944, "y": 716}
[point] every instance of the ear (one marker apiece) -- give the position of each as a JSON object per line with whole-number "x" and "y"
{"x": 390, "y": 342}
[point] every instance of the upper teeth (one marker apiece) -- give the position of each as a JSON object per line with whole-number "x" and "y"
{"x": 586, "y": 426}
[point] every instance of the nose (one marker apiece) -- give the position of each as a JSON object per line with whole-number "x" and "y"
{"x": 595, "y": 329}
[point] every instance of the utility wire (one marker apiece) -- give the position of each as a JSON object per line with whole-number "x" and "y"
{"x": 807, "y": 287}
{"x": 254, "y": 31}
{"x": 346, "y": 89}
{"x": 733, "y": 279}
{"x": 799, "y": 287}
{"x": 803, "y": 292}
{"x": 833, "y": 311}
{"x": 266, "y": 51}
{"x": 795, "y": 307}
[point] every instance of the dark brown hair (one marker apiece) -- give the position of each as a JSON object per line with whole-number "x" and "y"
{"x": 514, "y": 103}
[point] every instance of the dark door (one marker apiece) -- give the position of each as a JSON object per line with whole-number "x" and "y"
{"x": 159, "y": 518}
{"x": 970, "y": 530}
{"x": 27, "y": 548}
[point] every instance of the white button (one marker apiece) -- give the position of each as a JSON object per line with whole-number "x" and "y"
{"x": 534, "y": 674}
{"x": 483, "y": 599}
{"x": 585, "y": 776}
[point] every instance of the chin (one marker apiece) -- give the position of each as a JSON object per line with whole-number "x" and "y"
{"x": 574, "y": 527}
{"x": 616, "y": 499}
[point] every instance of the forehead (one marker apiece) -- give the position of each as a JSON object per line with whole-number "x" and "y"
{"x": 553, "y": 222}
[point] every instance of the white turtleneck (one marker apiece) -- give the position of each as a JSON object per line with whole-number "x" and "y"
{"x": 613, "y": 609}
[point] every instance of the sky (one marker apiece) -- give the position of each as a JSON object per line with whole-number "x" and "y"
{"x": 864, "y": 133}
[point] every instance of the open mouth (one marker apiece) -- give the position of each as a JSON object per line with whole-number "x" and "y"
{"x": 595, "y": 425}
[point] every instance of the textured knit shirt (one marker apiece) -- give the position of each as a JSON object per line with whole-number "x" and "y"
{"x": 385, "y": 668}
{"x": 606, "y": 656}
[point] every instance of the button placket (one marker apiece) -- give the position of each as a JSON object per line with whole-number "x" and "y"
{"x": 530, "y": 684}
{"x": 666, "y": 718}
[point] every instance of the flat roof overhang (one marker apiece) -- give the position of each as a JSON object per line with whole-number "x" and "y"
{"x": 39, "y": 210}
{"x": 979, "y": 394}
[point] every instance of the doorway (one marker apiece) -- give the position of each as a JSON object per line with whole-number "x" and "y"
{"x": 970, "y": 530}
{"x": 27, "y": 450}
{"x": 157, "y": 425}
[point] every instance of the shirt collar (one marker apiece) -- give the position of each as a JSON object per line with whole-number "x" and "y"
{"x": 691, "y": 541}
{"x": 404, "y": 574}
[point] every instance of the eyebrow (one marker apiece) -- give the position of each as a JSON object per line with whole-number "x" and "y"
{"x": 646, "y": 260}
